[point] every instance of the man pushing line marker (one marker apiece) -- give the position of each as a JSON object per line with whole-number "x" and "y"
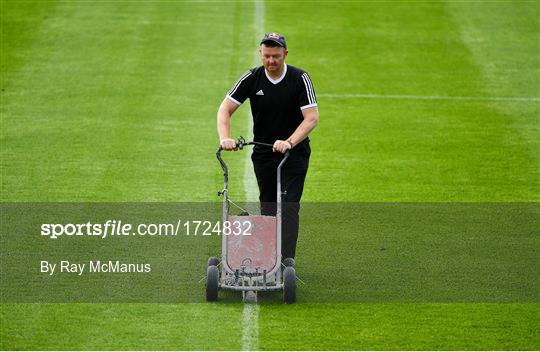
{"x": 284, "y": 110}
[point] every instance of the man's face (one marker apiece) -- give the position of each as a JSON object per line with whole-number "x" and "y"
{"x": 273, "y": 58}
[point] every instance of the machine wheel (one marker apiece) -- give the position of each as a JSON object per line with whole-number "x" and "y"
{"x": 249, "y": 296}
{"x": 213, "y": 261}
{"x": 289, "y": 285}
{"x": 212, "y": 278}
{"x": 289, "y": 262}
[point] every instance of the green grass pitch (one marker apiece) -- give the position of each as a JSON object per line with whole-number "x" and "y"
{"x": 422, "y": 103}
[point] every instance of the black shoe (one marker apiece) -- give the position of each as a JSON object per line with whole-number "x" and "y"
{"x": 289, "y": 262}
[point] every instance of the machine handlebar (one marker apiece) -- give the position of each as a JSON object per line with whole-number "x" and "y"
{"x": 241, "y": 142}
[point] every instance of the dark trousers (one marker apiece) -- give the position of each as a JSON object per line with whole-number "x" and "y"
{"x": 293, "y": 175}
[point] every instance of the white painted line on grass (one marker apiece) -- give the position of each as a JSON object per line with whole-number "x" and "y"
{"x": 250, "y": 327}
{"x": 423, "y": 97}
{"x": 250, "y": 319}
{"x": 250, "y": 181}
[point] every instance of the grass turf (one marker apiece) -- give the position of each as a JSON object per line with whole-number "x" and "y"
{"x": 103, "y": 102}
{"x": 121, "y": 326}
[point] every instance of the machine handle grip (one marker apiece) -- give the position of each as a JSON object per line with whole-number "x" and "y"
{"x": 240, "y": 143}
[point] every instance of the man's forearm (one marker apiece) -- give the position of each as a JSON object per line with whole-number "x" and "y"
{"x": 304, "y": 129}
{"x": 224, "y": 114}
{"x": 224, "y": 125}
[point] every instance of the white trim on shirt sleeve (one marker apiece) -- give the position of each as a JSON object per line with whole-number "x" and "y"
{"x": 234, "y": 100}
{"x": 309, "y": 89}
{"x": 308, "y": 106}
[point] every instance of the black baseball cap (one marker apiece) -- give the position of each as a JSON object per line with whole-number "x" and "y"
{"x": 275, "y": 38}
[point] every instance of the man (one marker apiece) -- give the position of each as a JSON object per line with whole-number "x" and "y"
{"x": 284, "y": 109}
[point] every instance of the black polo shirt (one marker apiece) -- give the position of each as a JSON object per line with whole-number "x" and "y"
{"x": 276, "y": 105}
